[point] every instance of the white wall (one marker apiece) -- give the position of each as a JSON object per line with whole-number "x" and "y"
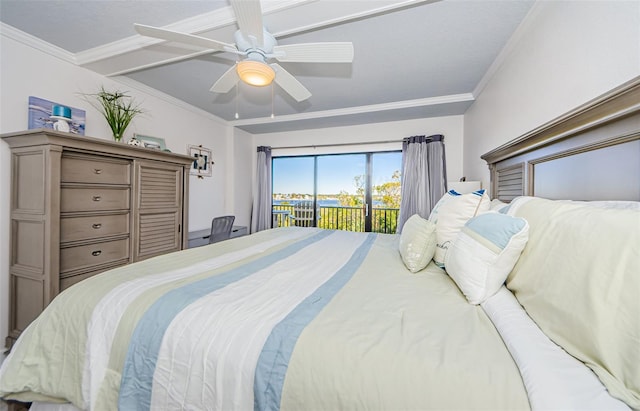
{"x": 29, "y": 72}
{"x": 451, "y": 127}
{"x": 564, "y": 54}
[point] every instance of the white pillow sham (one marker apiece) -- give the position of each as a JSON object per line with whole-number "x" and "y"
{"x": 451, "y": 213}
{"x": 554, "y": 379}
{"x": 579, "y": 282}
{"x": 417, "y": 243}
{"x": 484, "y": 253}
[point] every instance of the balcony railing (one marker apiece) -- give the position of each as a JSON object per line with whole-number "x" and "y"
{"x": 383, "y": 220}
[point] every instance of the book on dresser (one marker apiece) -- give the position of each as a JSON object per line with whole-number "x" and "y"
{"x": 80, "y": 206}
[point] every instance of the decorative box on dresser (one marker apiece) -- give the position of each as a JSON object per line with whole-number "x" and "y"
{"x": 81, "y": 206}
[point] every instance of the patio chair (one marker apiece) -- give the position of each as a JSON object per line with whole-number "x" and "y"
{"x": 303, "y": 215}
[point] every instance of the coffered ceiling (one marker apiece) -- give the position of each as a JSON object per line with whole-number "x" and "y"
{"x": 412, "y": 59}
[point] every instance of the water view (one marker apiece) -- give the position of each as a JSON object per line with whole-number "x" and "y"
{"x": 339, "y": 185}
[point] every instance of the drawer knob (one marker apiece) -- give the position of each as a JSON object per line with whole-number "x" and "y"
{"x": 96, "y": 253}
{"x": 96, "y": 198}
{"x": 97, "y": 171}
{"x": 96, "y": 225}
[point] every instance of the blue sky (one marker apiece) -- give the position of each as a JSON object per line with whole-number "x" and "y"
{"x": 335, "y": 172}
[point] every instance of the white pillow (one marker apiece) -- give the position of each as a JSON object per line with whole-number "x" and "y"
{"x": 619, "y": 205}
{"x": 451, "y": 213}
{"x": 448, "y": 196}
{"x": 484, "y": 253}
{"x": 417, "y": 243}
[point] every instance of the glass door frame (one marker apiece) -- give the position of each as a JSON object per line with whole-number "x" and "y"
{"x": 368, "y": 184}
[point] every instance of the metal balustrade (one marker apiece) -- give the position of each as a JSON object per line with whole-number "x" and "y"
{"x": 383, "y": 220}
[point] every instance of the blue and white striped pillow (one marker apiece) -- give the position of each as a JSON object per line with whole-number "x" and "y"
{"x": 484, "y": 253}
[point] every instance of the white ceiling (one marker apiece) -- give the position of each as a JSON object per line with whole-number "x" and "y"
{"x": 413, "y": 59}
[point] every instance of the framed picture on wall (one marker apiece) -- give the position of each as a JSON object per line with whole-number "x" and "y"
{"x": 202, "y": 161}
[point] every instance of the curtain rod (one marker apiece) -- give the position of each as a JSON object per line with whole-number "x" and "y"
{"x": 338, "y": 144}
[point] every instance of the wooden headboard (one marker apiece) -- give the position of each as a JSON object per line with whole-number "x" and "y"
{"x": 589, "y": 153}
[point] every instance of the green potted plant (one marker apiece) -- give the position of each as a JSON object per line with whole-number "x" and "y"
{"x": 118, "y": 109}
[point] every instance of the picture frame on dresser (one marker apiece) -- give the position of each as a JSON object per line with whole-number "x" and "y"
{"x": 41, "y": 112}
{"x": 155, "y": 143}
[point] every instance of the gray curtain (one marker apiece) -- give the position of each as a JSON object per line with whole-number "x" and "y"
{"x": 424, "y": 176}
{"x": 261, "y": 213}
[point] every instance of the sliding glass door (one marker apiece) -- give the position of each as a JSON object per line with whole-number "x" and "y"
{"x": 385, "y": 191}
{"x": 354, "y": 192}
{"x": 341, "y": 191}
{"x": 293, "y": 186}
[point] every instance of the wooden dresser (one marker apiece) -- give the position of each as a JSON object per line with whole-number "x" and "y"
{"x": 80, "y": 206}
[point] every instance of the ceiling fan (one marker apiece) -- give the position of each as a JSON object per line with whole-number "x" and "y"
{"x": 257, "y": 47}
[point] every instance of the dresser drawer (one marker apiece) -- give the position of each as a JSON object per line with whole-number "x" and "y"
{"x": 93, "y": 199}
{"x": 90, "y": 169}
{"x": 86, "y": 256}
{"x": 85, "y": 228}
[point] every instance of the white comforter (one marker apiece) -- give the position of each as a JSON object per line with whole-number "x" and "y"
{"x": 285, "y": 319}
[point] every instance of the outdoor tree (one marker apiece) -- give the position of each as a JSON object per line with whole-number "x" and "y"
{"x": 389, "y": 192}
{"x": 353, "y": 200}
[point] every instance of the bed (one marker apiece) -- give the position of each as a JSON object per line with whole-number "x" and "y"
{"x": 303, "y": 318}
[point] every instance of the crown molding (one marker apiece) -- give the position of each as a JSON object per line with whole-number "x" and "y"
{"x": 223, "y": 17}
{"x": 159, "y": 63}
{"x": 36, "y": 43}
{"x": 168, "y": 99}
{"x": 397, "y": 105}
{"x": 215, "y": 19}
{"x": 194, "y": 25}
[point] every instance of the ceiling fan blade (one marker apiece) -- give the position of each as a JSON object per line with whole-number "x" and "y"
{"x": 249, "y": 18}
{"x": 289, "y": 84}
{"x": 226, "y": 82}
{"x": 340, "y": 52}
{"x": 185, "y": 38}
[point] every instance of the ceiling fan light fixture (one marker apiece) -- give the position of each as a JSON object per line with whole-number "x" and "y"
{"x": 255, "y": 73}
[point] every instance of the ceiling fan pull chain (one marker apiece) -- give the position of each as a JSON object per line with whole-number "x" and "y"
{"x": 237, "y": 94}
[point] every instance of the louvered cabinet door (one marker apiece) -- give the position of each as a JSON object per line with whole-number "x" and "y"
{"x": 158, "y": 209}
